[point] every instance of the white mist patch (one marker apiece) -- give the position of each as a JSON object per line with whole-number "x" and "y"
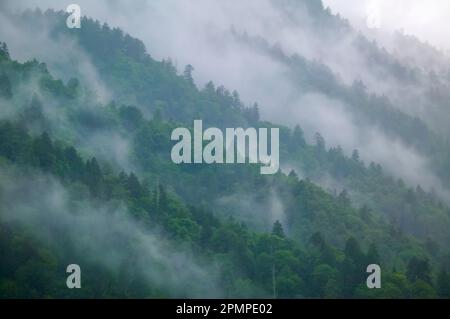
{"x": 64, "y": 58}
{"x": 198, "y": 33}
{"x": 425, "y": 19}
{"x": 111, "y": 147}
{"x": 258, "y": 212}
{"x": 317, "y": 113}
{"x": 401, "y": 161}
{"x": 105, "y": 235}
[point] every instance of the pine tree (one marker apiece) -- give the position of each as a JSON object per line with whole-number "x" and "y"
{"x": 4, "y": 52}
{"x": 5, "y": 87}
{"x": 44, "y": 151}
{"x": 188, "y": 74}
{"x": 94, "y": 177}
{"x": 277, "y": 230}
{"x": 353, "y": 267}
{"x": 134, "y": 187}
{"x": 317, "y": 240}
{"x": 298, "y": 137}
{"x": 373, "y": 257}
{"x": 419, "y": 269}
{"x": 443, "y": 284}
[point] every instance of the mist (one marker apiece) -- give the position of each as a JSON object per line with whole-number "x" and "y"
{"x": 104, "y": 235}
{"x": 413, "y": 17}
{"x": 259, "y": 212}
{"x": 64, "y": 58}
{"x": 181, "y": 231}
{"x": 201, "y": 33}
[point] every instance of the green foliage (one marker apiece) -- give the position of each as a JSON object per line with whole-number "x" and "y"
{"x": 5, "y": 87}
{"x": 326, "y": 241}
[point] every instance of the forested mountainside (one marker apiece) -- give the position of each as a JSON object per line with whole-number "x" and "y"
{"x": 90, "y": 180}
{"x": 33, "y": 223}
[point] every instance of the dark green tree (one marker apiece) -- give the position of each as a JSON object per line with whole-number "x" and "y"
{"x": 134, "y": 187}
{"x": 443, "y": 283}
{"x": 44, "y": 152}
{"x": 187, "y": 73}
{"x": 419, "y": 269}
{"x": 373, "y": 257}
{"x": 5, "y": 87}
{"x": 277, "y": 230}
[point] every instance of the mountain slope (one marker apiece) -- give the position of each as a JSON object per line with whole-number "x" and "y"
{"x": 316, "y": 253}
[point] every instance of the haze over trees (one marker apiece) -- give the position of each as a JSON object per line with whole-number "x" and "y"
{"x": 86, "y": 175}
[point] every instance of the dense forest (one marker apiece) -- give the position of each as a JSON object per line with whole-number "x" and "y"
{"x": 91, "y": 181}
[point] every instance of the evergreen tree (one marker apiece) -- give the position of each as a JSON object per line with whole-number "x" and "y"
{"x": 4, "y": 52}
{"x": 134, "y": 187}
{"x": 277, "y": 230}
{"x": 298, "y": 137}
{"x": 419, "y": 269}
{"x": 94, "y": 177}
{"x": 44, "y": 151}
{"x": 373, "y": 257}
{"x": 443, "y": 284}
{"x": 188, "y": 74}
{"x": 5, "y": 87}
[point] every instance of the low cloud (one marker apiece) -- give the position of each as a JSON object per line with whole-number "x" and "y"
{"x": 104, "y": 235}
